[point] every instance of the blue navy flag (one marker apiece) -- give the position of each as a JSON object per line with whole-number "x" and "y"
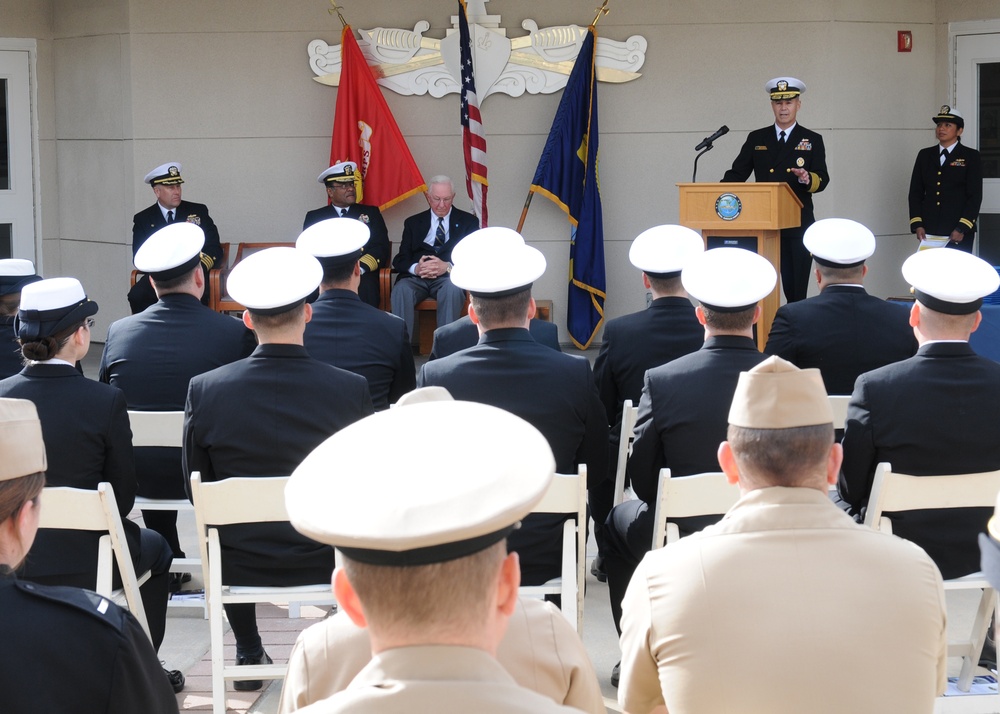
{"x": 567, "y": 175}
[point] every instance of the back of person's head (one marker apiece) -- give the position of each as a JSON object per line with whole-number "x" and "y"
{"x": 50, "y": 312}
{"x": 22, "y": 472}
{"x": 506, "y": 311}
{"x": 840, "y": 247}
{"x": 729, "y": 283}
{"x": 273, "y": 285}
{"x": 15, "y": 273}
{"x": 337, "y": 243}
{"x": 949, "y": 287}
{"x": 661, "y": 252}
{"x": 729, "y": 322}
{"x": 171, "y": 257}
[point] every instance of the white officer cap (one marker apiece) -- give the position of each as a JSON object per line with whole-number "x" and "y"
{"x": 495, "y": 470}
{"x": 15, "y": 273}
{"x": 340, "y": 172}
{"x": 949, "y": 113}
{"x": 20, "y": 439}
{"x": 424, "y": 394}
{"x": 50, "y": 306}
{"x": 778, "y": 395}
{"x": 663, "y": 251}
{"x": 274, "y": 280}
{"x": 493, "y": 262}
{"x": 950, "y": 281}
{"x": 165, "y": 175}
{"x": 784, "y": 88}
{"x": 728, "y": 279}
{"x": 171, "y": 251}
{"x": 334, "y": 241}
{"x": 839, "y": 242}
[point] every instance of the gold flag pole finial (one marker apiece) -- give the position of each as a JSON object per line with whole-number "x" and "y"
{"x": 602, "y": 10}
{"x": 336, "y": 9}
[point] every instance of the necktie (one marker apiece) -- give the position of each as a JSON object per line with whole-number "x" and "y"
{"x": 343, "y": 213}
{"x": 170, "y": 217}
{"x": 781, "y": 139}
{"x": 439, "y": 236}
{"x": 944, "y": 156}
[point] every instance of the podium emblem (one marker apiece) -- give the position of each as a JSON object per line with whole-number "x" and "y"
{"x": 728, "y": 207}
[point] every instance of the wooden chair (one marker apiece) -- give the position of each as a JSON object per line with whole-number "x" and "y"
{"x": 222, "y": 302}
{"x": 707, "y": 494}
{"x": 894, "y": 492}
{"x": 85, "y": 510}
{"x": 625, "y": 439}
{"x": 567, "y": 495}
{"x": 839, "y": 402}
{"x": 165, "y": 429}
{"x": 226, "y": 502}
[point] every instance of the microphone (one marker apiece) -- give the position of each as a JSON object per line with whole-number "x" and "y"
{"x": 707, "y": 141}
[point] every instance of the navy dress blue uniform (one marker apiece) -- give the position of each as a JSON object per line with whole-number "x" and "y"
{"x": 149, "y": 220}
{"x": 552, "y": 391}
{"x": 762, "y": 156}
{"x": 935, "y": 413}
{"x": 946, "y": 198}
{"x": 376, "y": 250}
{"x": 70, "y": 650}
{"x": 843, "y": 332}
{"x": 85, "y": 426}
{"x": 352, "y": 335}
{"x": 260, "y": 417}
{"x": 463, "y": 334}
{"x": 10, "y": 350}
{"x": 683, "y": 417}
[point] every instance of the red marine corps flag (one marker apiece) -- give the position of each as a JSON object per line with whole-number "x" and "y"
{"x": 365, "y": 132}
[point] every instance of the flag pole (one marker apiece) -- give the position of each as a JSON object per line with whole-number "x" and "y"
{"x": 336, "y": 9}
{"x": 602, "y": 10}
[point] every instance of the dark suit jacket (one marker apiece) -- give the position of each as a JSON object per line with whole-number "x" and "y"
{"x": 416, "y": 228}
{"x": 666, "y": 330}
{"x": 684, "y": 412}
{"x": 843, "y": 332}
{"x": 88, "y": 440}
{"x": 152, "y": 356}
{"x": 935, "y": 413}
{"x": 376, "y": 250}
{"x": 554, "y": 392}
{"x": 10, "y": 350}
{"x": 945, "y": 198}
{"x": 260, "y": 417}
{"x": 463, "y": 334}
{"x": 347, "y": 333}
{"x": 761, "y": 157}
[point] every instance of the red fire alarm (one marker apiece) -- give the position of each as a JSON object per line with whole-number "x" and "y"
{"x": 904, "y": 41}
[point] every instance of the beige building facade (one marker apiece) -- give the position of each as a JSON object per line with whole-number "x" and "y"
{"x": 117, "y": 87}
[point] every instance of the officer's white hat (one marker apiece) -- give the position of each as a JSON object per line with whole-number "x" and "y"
{"x": 493, "y": 262}
{"x": 165, "y": 175}
{"x": 340, "y": 172}
{"x": 20, "y": 439}
{"x": 50, "y": 306}
{"x": 728, "y": 279}
{"x": 334, "y": 241}
{"x": 171, "y": 251}
{"x": 784, "y": 88}
{"x": 950, "y": 113}
{"x": 495, "y": 470}
{"x": 274, "y": 280}
{"x": 839, "y": 242}
{"x": 950, "y": 281}
{"x": 663, "y": 251}
{"x": 778, "y": 395}
{"x": 15, "y": 273}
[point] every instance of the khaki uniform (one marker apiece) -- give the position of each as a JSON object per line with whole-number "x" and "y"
{"x": 540, "y": 650}
{"x": 435, "y": 678}
{"x": 786, "y": 605}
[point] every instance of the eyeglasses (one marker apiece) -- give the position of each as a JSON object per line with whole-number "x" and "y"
{"x": 440, "y": 199}
{"x": 89, "y": 323}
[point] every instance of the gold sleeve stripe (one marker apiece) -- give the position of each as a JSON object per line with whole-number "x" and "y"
{"x": 916, "y": 219}
{"x": 965, "y": 221}
{"x": 816, "y": 181}
{"x": 208, "y": 261}
{"x": 369, "y": 261}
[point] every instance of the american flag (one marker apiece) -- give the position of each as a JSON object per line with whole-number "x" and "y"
{"x": 473, "y": 136}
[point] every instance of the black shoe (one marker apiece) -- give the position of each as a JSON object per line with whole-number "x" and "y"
{"x": 250, "y": 685}
{"x": 176, "y": 679}
{"x": 616, "y": 674}
{"x": 177, "y": 580}
{"x": 988, "y": 657}
{"x": 598, "y": 571}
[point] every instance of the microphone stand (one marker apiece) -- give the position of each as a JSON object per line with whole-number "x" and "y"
{"x": 694, "y": 174}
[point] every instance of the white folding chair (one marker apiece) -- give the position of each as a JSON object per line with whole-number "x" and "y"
{"x": 227, "y": 502}
{"x": 625, "y": 439}
{"x": 165, "y": 429}
{"x": 81, "y": 509}
{"x": 568, "y": 495}
{"x": 839, "y": 402}
{"x": 707, "y": 494}
{"x": 895, "y": 492}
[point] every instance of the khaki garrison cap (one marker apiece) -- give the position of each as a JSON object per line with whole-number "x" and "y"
{"x": 778, "y": 395}
{"x": 417, "y": 512}
{"x": 22, "y": 451}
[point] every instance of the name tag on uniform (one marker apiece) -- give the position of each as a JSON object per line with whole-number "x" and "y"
{"x": 804, "y": 145}
{"x": 760, "y": 148}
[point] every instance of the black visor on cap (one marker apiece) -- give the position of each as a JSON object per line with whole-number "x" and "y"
{"x": 33, "y": 325}
{"x": 332, "y": 261}
{"x": 268, "y": 311}
{"x": 501, "y": 293}
{"x": 948, "y": 308}
{"x": 663, "y": 276}
{"x": 831, "y": 264}
{"x": 177, "y": 271}
{"x": 10, "y": 284}
{"x": 429, "y": 555}
{"x": 717, "y": 308}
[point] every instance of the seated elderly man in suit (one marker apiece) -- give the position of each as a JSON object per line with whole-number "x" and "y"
{"x": 779, "y": 593}
{"x": 937, "y": 412}
{"x": 843, "y": 331}
{"x": 435, "y": 589}
{"x": 425, "y": 255}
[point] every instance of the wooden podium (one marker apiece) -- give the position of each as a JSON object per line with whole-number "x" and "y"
{"x": 749, "y": 215}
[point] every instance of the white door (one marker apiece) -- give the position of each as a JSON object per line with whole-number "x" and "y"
{"x": 17, "y": 204}
{"x": 977, "y": 95}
